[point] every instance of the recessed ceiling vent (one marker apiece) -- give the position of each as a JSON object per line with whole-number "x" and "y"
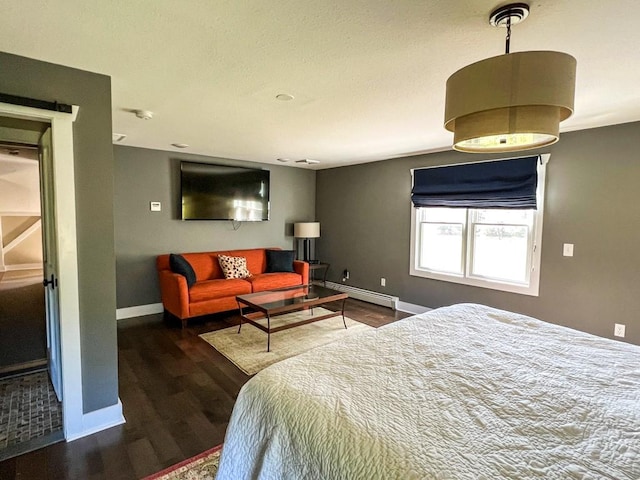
{"x": 308, "y": 161}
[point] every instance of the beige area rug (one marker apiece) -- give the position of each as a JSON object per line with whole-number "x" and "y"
{"x": 248, "y": 349}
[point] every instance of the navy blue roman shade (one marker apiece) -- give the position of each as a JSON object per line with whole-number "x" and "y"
{"x": 498, "y": 184}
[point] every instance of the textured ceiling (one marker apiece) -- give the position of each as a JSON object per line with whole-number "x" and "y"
{"x": 368, "y": 76}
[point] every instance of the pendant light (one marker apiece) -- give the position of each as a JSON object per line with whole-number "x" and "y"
{"x": 511, "y": 102}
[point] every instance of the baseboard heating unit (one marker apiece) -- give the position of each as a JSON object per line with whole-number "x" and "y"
{"x": 366, "y": 295}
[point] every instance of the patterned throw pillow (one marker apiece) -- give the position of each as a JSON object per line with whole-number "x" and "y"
{"x": 233, "y": 267}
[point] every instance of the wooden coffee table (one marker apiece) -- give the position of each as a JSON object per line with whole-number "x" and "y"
{"x": 286, "y": 300}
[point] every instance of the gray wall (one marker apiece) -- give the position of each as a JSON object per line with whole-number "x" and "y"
{"x": 592, "y": 199}
{"x": 144, "y": 175}
{"x": 94, "y": 209}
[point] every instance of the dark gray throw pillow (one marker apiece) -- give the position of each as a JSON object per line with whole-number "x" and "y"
{"x": 179, "y": 265}
{"x": 280, "y": 261}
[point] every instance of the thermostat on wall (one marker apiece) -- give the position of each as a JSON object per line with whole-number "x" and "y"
{"x": 156, "y": 207}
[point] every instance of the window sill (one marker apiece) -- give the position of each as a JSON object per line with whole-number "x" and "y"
{"x": 531, "y": 290}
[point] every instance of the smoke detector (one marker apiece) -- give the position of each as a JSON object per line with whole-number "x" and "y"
{"x": 144, "y": 114}
{"x": 308, "y": 161}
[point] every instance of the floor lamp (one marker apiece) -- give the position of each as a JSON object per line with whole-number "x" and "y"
{"x": 306, "y": 231}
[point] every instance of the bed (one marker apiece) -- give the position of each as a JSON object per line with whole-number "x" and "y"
{"x": 459, "y": 392}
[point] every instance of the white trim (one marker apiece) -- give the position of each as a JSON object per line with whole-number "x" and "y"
{"x": 358, "y": 293}
{"x": 98, "y": 420}
{"x": 22, "y": 237}
{"x": 412, "y": 308}
{"x": 139, "y": 311}
{"x": 20, "y": 214}
{"x": 22, "y": 266}
{"x": 366, "y": 295}
{"x": 65, "y": 208}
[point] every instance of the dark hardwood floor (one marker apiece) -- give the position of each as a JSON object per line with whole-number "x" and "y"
{"x": 177, "y": 394}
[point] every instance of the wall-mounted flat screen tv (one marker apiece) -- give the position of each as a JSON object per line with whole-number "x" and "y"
{"x": 222, "y": 192}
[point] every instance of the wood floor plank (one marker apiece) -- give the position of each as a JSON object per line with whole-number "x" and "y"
{"x": 35, "y": 466}
{"x": 113, "y": 451}
{"x": 143, "y": 457}
{"x": 164, "y": 444}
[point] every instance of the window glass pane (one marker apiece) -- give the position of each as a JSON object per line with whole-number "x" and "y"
{"x": 501, "y": 252}
{"x": 444, "y": 215}
{"x": 497, "y": 215}
{"x": 440, "y": 247}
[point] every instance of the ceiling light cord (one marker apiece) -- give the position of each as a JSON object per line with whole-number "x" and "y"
{"x": 507, "y": 45}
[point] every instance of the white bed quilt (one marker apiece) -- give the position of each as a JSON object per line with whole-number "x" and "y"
{"x": 462, "y": 392}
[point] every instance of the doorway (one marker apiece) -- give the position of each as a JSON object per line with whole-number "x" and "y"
{"x": 31, "y": 414}
{"x": 75, "y": 422}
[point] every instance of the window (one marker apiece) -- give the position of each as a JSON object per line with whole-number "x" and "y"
{"x": 496, "y": 248}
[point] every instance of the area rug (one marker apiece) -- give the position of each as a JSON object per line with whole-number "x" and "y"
{"x": 203, "y": 466}
{"x": 248, "y": 349}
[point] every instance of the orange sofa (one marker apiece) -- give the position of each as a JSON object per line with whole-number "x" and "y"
{"x": 213, "y": 293}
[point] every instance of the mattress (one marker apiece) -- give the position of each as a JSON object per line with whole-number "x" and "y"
{"x": 459, "y": 392}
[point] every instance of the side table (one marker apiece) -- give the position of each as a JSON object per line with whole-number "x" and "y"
{"x": 318, "y": 266}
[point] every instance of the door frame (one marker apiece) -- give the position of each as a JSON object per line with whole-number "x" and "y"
{"x": 65, "y": 221}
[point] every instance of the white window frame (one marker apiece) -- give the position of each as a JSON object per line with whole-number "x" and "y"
{"x": 533, "y": 260}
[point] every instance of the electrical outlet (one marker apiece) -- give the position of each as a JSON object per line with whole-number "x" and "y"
{"x": 618, "y": 330}
{"x": 383, "y": 282}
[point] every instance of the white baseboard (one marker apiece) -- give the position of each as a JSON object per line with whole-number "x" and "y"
{"x": 357, "y": 293}
{"x": 94, "y": 422}
{"x": 139, "y": 311}
{"x": 412, "y": 308}
{"x": 22, "y": 266}
{"x": 366, "y": 295}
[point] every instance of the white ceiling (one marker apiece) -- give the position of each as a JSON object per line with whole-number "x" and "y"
{"x": 368, "y": 76}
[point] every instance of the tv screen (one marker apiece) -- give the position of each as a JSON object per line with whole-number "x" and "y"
{"x": 221, "y": 192}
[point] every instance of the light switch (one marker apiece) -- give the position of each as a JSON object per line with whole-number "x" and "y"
{"x": 156, "y": 206}
{"x": 567, "y": 250}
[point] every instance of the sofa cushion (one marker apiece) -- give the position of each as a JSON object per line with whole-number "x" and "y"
{"x": 270, "y": 281}
{"x": 181, "y": 266}
{"x": 280, "y": 261}
{"x": 219, "y": 288}
{"x": 205, "y": 265}
{"x": 233, "y": 267}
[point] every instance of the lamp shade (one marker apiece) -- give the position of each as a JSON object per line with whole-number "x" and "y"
{"x": 510, "y": 102}
{"x": 306, "y": 230}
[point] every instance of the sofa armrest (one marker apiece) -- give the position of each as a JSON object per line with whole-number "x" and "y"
{"x": 302, "y": 268}
{"x": 175, "y": 293}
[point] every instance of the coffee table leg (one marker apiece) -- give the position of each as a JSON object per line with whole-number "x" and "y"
{"x": 268, "y": 333}
{"x": 240, "y": 307}
{"x": 343, "y": 320}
